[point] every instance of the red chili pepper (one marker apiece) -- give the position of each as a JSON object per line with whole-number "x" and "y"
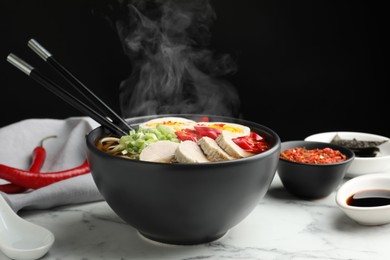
{"x": 197, "y": 133}
{"x": 207, "y": 131}
{"x": 11, "y": 188}
{"x": 34, "y": 180}
{"x": 38, "y": 159}
{"x": 253, "y": 143}
{"x": 187, "y": 134}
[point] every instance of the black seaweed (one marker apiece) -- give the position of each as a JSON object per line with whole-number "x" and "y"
{"x": 361, "y": 148}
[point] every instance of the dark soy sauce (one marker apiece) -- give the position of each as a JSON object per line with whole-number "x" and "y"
{"x": 370, "y": 198}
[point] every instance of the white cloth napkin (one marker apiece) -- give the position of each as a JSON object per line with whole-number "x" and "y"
{"x": 66, "y": 150}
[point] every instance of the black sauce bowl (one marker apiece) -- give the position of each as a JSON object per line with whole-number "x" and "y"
{"x": 312, "y": 181}
{"x": 183, "y": 203}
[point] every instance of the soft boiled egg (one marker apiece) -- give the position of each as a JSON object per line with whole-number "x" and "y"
{"x": 177, "y": 123}
{"x": 237, "y": 129}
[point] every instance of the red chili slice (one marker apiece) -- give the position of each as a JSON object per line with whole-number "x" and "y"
{"x": 187, "y": 134}
{"x": 253, "y": 143}
{"x": 207, "y": 131}
{"x": 197, "y": 133}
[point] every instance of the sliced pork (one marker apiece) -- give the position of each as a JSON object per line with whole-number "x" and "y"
{"x": 160, "y": 151}
{"x": 224, "y": 140}
{"x": 190, "y": 152}
{"x": 212, "y": 150}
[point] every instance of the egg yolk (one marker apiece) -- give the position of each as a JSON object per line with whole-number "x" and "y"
{"x": 229, "y": 128}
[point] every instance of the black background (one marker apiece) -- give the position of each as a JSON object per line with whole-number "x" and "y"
{"x": 303, "y": 66}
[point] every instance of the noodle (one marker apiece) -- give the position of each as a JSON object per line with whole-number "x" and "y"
{"x": 110, "y": 145}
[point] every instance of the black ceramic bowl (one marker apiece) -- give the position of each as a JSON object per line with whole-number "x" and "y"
{"x": 312, "y": 181}
{"x": 183, "y": 203}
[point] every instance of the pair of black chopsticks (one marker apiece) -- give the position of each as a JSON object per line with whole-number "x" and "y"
{"x": 101, "y": 113}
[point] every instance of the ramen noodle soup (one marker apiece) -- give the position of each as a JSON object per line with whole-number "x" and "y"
{"x": 181, "y": 140}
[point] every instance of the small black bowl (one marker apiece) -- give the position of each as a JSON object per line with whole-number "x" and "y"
{"x": 312, "y": 181}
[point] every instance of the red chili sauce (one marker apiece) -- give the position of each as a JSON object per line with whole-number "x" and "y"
{"x": 313, "y": 156}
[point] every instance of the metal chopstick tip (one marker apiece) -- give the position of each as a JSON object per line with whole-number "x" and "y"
{"x": 19, "y": 63}
{"x": 39, "y": 49}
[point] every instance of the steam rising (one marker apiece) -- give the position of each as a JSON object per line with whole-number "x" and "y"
{"x": 172, "y": 70}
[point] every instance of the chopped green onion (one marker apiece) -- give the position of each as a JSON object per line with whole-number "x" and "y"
{"x": 137, "y": 140}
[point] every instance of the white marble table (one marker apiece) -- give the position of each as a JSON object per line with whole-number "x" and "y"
{"x": 281, "y": 227}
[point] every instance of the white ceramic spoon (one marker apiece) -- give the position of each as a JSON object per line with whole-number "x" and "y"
{"x": 20, "y": 239}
